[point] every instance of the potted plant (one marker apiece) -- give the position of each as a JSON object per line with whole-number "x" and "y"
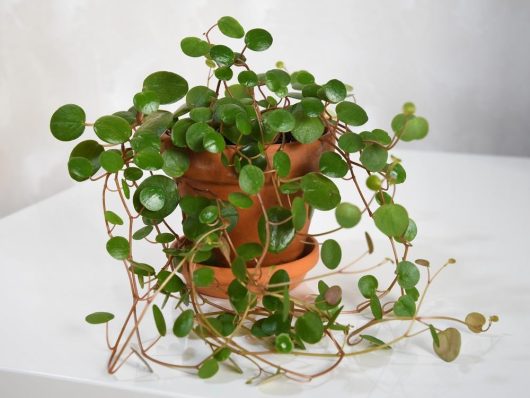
{"x": 248, "y": 157}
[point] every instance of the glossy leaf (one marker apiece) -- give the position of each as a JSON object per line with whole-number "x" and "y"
{"x": 146, "y": 102}
{"x": 312, "y": 106}
{"x": 281, "y": 231}
{"x": 248, "y": 251}
{"x": 408, "y": 274}
{"x": 112, "y": 129}
{"x": 240, "y": 200}
{"x": 158, "y": 183}
{"x": 351, "y": 113}
{"x": 258, "y": 39}
{"x": 203, "y": 277}
{"x": 68, "y": 122}
{"x": 251, "y": 179}
{"x": 194, "y": 47}
{"x": 200, "y": 96}
{"x": 89, "y": 150}
{"x": 299, "y": 213}
{"x": 230, "y": 27}
{"x": 224, "y": 73}
{"x": 168, "y": 86}
{"x": 320, "y": 192}
{"x": 281, "y": 163}
{"x": 111, "y": 160}
{"x": 283, "y": 343}
{"x": 118, "y": 247}
{"x": 222, "y": 54}
{"x": 368, "y": 286}
{"x": 307, "y": 129}
{"x": 142, "y": 232}
{"x": 415, "y": 128}
{"x": 309, "y": 328}
{"x": 184, "y": 323}
{"x": 248, "y": 78}
{"x": 391, "y": 219}
{"x": 333, "y": 165}
{"x": 113, "y": 218}
{"x": 334, "y": 90}
{"x": 374, "y": 157}
{"x": 280, "y": 120}
{"x": 350, "y": 142}
{"x": 331, "y": 253}
{"x": 213, "y": 142}
{"x": 176, "y": 162}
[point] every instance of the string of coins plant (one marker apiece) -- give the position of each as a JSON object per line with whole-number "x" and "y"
{"x": 261, "y": 109}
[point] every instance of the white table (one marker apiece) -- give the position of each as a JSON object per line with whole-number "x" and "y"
{"x": 55, "y": 270}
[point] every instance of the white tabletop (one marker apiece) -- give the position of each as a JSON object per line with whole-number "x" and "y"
{"x": 55, "y": 270}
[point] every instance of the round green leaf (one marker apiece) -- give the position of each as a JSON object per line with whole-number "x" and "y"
{"x": 309, "y": 328}
{"x": 133, "y": 173}
{"x": 160, "y": 322}
{"x": 334, "y": 90}
{"x": 281, "y": 163}
{"x": 333, "y": 165}
{"x": 373, "y": 182}
{"x": 408, "y": 274}
{"x": 88, "y": 150}
{"x": 194, "y": 47}
{"x": 184, "y": 323}
{"x": 146, "y": 102}
{"x": 276, "y": 79}
{"x": 213, "y": 142}
{"x": 449, "y": 343}
{"x": 153, "y": 198}
{"x": 203, "y": 277}
{"x": 351, "y": 113}
{"x": 209, "y": 214}
{"x": 201, "y": 114}
{"x": 312, "y": 106}
{"x": 118, "y": 247}
{"x": 283, "y": 343}
{"x": 168, "y": 86}
{"x": 320, "y": 192}
{"x": 113, "y": 218}
{"x": 331, "y": 253}
{"x": 176, "y": 162}
{"x": 397, "y": 174}
{"x": 221, "y": 54}
{"x": 195, "y": 135}
{"x": 178, "y": 131}
{"x": 200, "y": 96}
{"x": 224, "y": 73}
{"x": 368, "y": 285}
{"x": 80, "y": 169}
{"x": 350, "y": 142}
{"x": 145, "y": 139}
{"x": 391, "y": 219}
{"x": 208, "y": 369}
{"x": 165, "y": 237}
{"x": 250, "y": 250}
{"x": 230, "y": 27}
{"x": 374, "y": 157}
{"x": 248, "y": 78}
{"x": 405, "y": 306}
{"x": 281, "y": 231}
{"x": 251, "y": 179}
{"x": 142, "y": 232}
{"x": 68, "y": 122}
{"x": 170, "y": 195}
{"x": 99, "y": 317}
{"x": 301, "y": 78}
{"x": 112, "y": 129}
{"x": 347, "y": 215}
{"x": 240, "y": 200}
{"x": 299, "y": 213}
{"x": 416, "y": 128}
{"x": 111, "y": 160}
{"x": 258, "y": 39}
{"x": 280, "y": 120}
{"x": 307, "y": 129}
{"x": 149, "y": 159}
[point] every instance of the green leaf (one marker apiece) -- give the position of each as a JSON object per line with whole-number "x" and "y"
{"x": 99, "y": 317}
{"x": 125, "y": 188}
{"x": 239, "y": 269}
{"x": 145, "y": 140}
{"x": 201, "y": 114}
{"x": 160, "y": 322}
{"x": 301, "y": 78}
{"x": 408, "y": 274}
{"x": 374, "y": 340}
{"x": 230, "y": 27}
{"x": 280, "y": 120}
{"x": 184, "y": 323}
{"x": 209, "y": 368}
{"x": 434, "y": 334}
{"x": 129, "y": 115}
{"x": 307, "y": 129}
{"x": 276, "y": 79}
{"x": 224, "y": 73}
{"x": 281, "y": 163}
{"x": 250, "y": 250}
{"x": 111, "y": 160}
{"x": 413, "y": 292}
{"x": 165, "y": 237}
{"x": 374, "y": 157}
{"x": 377, "y": 135}
{"x": 146, "y": 102}
{"x": 166, "y": 189}
{"x": 153, "y": 198}
{"x": 142, "y": 269}
{"x": 347, "y": 215}
{"x": 200, "y": 96}
{"x": 195, "y": 136}
{"x": 112, "y": 129}
{"x": 118, "y": 247}
{"x": 222, "y": 354}
{"x": 375, "y": 306}
{"x": 405, "y": 306}
{"x": 334, "y": 90}
{"x": 368, "y": 285}
{"x": 240, "y": 200}
{"x": 88, "y": 150}
{"x": 248, "y": 78}
{"x": 449, "y": 345}
{"x": 176, "y": 162}
{"x": 194, "y": 47}
{"x": 283, "y": 343}
{"x": 299, "y": 213}
{"x": 373, "y": 182}
{"x": 396, "y": 174}
{"x": 332, "y": 165}
{"x": 142, "y": 232}
{"x": 203, "y": 277}
{"x": 251, "y": 179}
{"x": 351, "y": 113}
{"x": 391, "y": 219}
{"x": 178, "y": 132}
{"x": 80, "y": 169}
{"x": 350, "y": 142}
{"x": 213, "y": 142}
{"x": 221, "y": 54}
{"x": 415, "y": 128}
{"x": 312, "y": 106}
{"x": 281, "y": 231}
{"x": 156, "y": 123}
{"x": 331, "y": 253}
{"x": 209, "y": 214}
{"x": 168, "y": 86}
{"x": 309, "y": 328}
{"x": 320, "y": 192}
{"x": 175, "y": 284}
{"x": 113, "y": 218}
{"x": 239, "y": 296}
{"x": 258, "y": 39}
{"x": 68, "y": 122}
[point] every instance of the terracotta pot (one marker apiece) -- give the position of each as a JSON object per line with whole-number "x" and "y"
{"x": 207, "y": 176}
{"x": 296, "y": 269}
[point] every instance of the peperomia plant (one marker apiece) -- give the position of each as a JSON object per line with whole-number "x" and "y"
{"x": 272, "y": 143}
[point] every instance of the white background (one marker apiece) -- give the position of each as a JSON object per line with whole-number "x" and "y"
{"x": 465, "y": 63}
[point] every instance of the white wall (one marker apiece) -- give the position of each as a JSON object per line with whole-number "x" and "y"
{"x": 465, "y": 63}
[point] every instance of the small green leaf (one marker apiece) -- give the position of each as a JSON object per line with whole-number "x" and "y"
{"x": 146, "y": 102}
{"x": 111, "y": 160}
{"x": 209, "y": 368}
{"x": 334, "y": 90}
{"x": 165, "y": 237}
{"x": 213, "y": 142}
{"x": 332, "y": 165}
{"x": 160, "y": 322}
{"x": 201, "y": 114}
{"x": 281, "y": 229}
{"x": 307, "y": 129}
{"x": 408, "y": 274}
{"x": 184, "y": 323}
{"x": 449, "y": 345}
{"x": 149, "y": 159}
{"x": 375, "y": 306}
{"x": 331, "y": 253}
{"x": 283, "y": 343}
{"x": 221, "y": 54}
{"x": 312, "y": 106}
{"x": 350, "y": 142}
{"x": 320, "y": 192}
{"x": 374, "y": 157}
{"x": 133, "y": 173}
{"x": 209, "y": 214}
{"x": 224, "y": 73}
{"x": 415, "y": 128}
{"x": 280, "y": 120}
{"x": 230, "y": 27}
{"x": 203, "y": 277}
{"x": 405, "y": 306}
{"x": 99, "y": 317}
{"x": 281, "y": 163}
{"x": 258, "y": 39}
{"x": 194, "y": 47}
{"x": 142, "y": 232}
{"x": 176, "y": 162}
{"x": 351, "y": 113}
{"x": 248, "y": 251}
{"x": 68, "y": 122}
{"x": 113, "y": 218}
{"x": 299, "y": 213}
{"x": 89, "y": 150}
{"x": 168, "y": 86}
{"x": 173, "y": 285}
{"x": 347, "y": 215}
{"x": 157, "y": 183}
{"x": 240, "y": 200}
{"x": 112, "y": 129}
{"x": 80, "y": 169}
{"x": 118, "y": 247}
{"x": 222, "y": 354}
{"x": 309, "y": 328}
{"x": 374, "y": 340}
{"x": 391, "y": 219}
{"x": 200, "y": 96}
{"x": 251, "y": 179}
{"x": 368, "y": 285}
{"x": 248, "y": 78}
{"x": 239, "y": 269}
{"x": 195, "y": 135}
{"x": 153, "y": 198}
